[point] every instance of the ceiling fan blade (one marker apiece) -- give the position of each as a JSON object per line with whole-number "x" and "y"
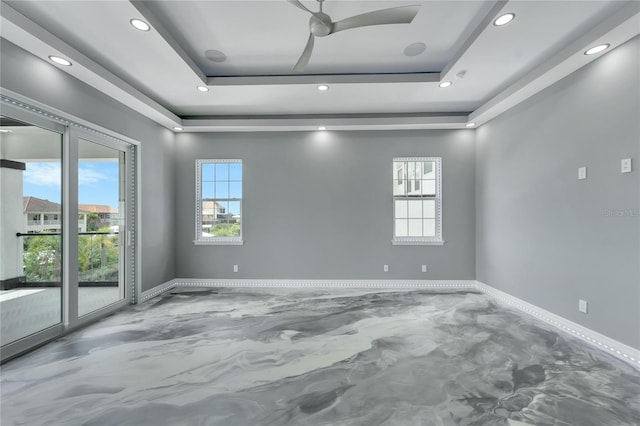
{"x": 306, "y": 55}
{"x": 394, "y": 15}
{"x": 299, "y": 5}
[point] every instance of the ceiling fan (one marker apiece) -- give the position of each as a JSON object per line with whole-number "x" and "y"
{"x": 321, "y": 25}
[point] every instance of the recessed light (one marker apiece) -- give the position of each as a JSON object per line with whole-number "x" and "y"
{"x": 178, "y": 129}
{"x": 323, "y": 87}
{"x": 60, "y": 61}
{"x": 5, "y": 131}
{"x": 203, "y": 88}
{"x": 322, "y": 128}
{"x": 445, "y": 84}
{"x": 140, "y": 25}
{"x": 597, "y": 49}
{"x": 504, "y": 19}
{"x": 472, "y": 124}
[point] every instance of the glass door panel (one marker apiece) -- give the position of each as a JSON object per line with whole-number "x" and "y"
{"x": 101, "y": 226}
{"x": 30, "y": 229}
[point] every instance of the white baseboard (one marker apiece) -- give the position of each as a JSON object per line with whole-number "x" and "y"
{"x": 157, "y": 290}
{"x": 619, "y": 350}
{"x": 452, "y": 284}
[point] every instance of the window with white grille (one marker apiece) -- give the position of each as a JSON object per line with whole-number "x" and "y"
{"x": 417, "y": 200}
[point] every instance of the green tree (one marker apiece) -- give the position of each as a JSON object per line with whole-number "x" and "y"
{"x": 98, "y": 256}
{"x": 226, "y": 230}
{"x": 93, "y": 222}
{"x": 42, "y": 256}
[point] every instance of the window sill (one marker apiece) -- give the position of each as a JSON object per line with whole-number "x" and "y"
{"x": 416, "y": 242}
{"x": 220, "y": 242}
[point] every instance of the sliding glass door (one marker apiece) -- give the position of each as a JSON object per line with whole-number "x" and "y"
{"x": 67, "y": 226}
{"x": 102, "y": 207}
{"x": 31, "y": 201}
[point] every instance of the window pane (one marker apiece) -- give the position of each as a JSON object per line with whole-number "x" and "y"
{"x": 428, "y": 187}
{"x": 222, "y": 171}
{"x": 208, "y": 211}
{"x": 222, "y": 189}
{"x": 429, "y": 168}
{"x": 398, "y": 170}
{"x": 221, "y": 208}
{"x": 415, "y": 209}
{"x": 411, "y": 170}
{"x": 206, "y": 230}
{"x": 398, "y": 187}
{"x": 207, "y": 172}
{"x": 429, "y": 209}
{"x": 429, "y": 227}
{"x": 235, "y": 190}
{"x": 401, "y": 209}
{"x": 207, "y": 190}
{"x": 234, "y": 208}
{"x": 235, "y": 171}
{"x": 419, "y": 169}
{"x": 415, "y": 227}
{"x": 234, "y": 218}
{"x": 414, "y": 190}
{"x": 225, "y": 229}
{"x": 401, "y": 227}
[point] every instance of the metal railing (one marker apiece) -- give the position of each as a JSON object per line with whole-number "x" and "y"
{"x": 49, "y": 222}
{"x": 98, "y": 259}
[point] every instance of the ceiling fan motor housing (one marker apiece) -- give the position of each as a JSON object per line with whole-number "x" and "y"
{"x": 320, "y": 24}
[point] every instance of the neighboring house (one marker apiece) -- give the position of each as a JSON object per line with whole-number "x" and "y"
{"x": 410, "y": 179}
{"x": 46, "y": 216}
{"x": 108, "y": 215}
{"x": 212, "y": 213}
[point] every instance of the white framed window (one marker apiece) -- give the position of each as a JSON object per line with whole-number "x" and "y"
{"x": 219, "y": 202}
{"x": 417, "y": 201}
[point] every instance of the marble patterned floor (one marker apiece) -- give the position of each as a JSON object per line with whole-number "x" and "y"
{"x": 25, "y": 311}
{"x": 319, "y": 357}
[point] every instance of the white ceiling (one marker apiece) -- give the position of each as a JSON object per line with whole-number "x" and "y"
{"x": 373, "y": 84}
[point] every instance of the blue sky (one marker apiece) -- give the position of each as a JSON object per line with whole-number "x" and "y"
{"x": 98, "y": 182}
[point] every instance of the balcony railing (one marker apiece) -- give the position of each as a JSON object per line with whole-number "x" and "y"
{"x": 98, "y": 259}
{"x": 49, "y": 222}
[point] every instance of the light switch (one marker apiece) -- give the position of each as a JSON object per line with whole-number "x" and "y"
{"x": 582, "y": 173}
{"x": 625, "y": 165}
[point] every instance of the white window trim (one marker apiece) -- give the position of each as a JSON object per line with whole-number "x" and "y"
{"x": 216, "y": 241}
{"x": 422, "y": 241}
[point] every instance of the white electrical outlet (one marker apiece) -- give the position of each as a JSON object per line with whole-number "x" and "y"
{"x": 386, "y": 268}
{"x": 582, "y": 306}
{"x": 424, "y": 268}
{"x": 582, "y": 173}
{"x": 235, "y": 268}
{"x": 625, "y": 165}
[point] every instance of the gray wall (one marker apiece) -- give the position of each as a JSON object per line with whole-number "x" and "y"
{"x": 545, "y": 236}
{"x": 30, "y": 76}
{"x": 318, "y": 205}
